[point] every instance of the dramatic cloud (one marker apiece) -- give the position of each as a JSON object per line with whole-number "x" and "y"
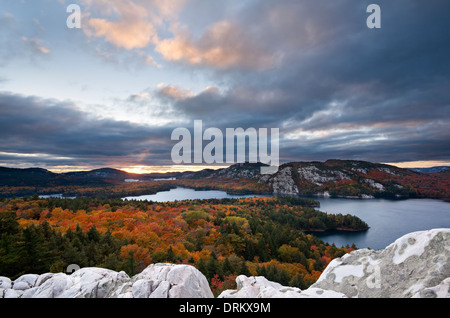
{"x": 335, "y": 88}
{"x": 32, "y": 126}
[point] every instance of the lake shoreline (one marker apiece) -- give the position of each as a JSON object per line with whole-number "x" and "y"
{"x": 337, "y": 230}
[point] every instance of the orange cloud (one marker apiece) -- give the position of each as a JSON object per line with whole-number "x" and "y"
{"x": 223, "y": 46}
{"x": 131, "y": 30}
{"x": 175, "y": 92}
{"x": 122, "y": 34}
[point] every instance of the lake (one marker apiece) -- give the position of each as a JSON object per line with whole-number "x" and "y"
{"x": 179, "y": 194}
{"x": 388, "y": 219}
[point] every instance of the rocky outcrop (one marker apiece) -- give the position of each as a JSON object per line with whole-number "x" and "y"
{"x": 165, "y": 281}
{"x": 156, "y": 281}
{"x": 320, "y": 176}
{"x": 415, "y": 265}
{"x": 283, "y": 182}
{"x": 260, "y": 287}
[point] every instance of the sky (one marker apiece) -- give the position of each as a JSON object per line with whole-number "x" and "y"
{"x": 110, "y": 94}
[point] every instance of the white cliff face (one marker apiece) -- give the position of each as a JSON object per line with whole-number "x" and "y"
{"x": 319, "y": 177}
{"x": 374, "y": 184}
{"x": 283, "y": 183}
{"x": 415, "y": 265}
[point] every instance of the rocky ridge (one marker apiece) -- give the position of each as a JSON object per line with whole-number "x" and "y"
{"x": 339, "y": 178}
{"x": 415, "y": 265}
{"x": 346, "y": 178}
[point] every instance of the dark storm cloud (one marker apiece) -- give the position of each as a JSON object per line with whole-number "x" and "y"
{"x": 66, "y": 135}
{"x": 334, "y": 73}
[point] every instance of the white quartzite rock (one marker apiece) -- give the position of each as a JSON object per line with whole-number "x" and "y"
{"x": 260, "y": 287}
{"x": 283, "y": 183}
{"x": 166, "y": 281}
{"x": 415, "y": 265}
{"x": 156, "y": 281}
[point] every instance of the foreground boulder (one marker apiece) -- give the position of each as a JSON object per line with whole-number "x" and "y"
{"x": 415, "y": 265}
{"x": 156, "y": 281}
{"x": 260, "y": 287}
{"x": 165, "y": 281}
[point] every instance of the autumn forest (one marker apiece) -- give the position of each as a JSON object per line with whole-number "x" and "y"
{"x": 268, "y": 236}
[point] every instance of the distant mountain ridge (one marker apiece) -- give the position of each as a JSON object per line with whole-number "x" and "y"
{"x": 43, "y": 177}
{"x": 431, "y": 169}
{"x": 338, "y": 178}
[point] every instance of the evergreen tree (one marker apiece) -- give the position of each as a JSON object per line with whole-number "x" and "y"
{"x": 261, "y": 271}
{"x": 298, "y": 282}
{"x": 249, "y": 252}
{"x": 243, "y": 269}
{"x": 261, "y": 250}
{"x": 32, "y": 252}
{"x": 171, "y": 255}
{"x": 131, "y": 264}
{"x": 8, "y": 223}
{"x": 213, "y": 267}
{"x": 201, "y": 266}
{"x": 93, "y": 235}
{"x": 227, "y": 268}
{"x": 80, "y": 234}
{"x": 282, "y": 277}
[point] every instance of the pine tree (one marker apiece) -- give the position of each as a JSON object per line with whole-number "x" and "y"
{"x": 243, "y": 269}
{"x": 261, "y": 250}
{"x": 213, "y": 267}
{"x": 299, "y": 282}
{"x": 93, "y": 235}
{"x": 131, "y": 264}
{"x": 261, "y": 271}
{"x": 249, "y": 252}
{"x": 201, "y": 266}
{"x": 171, "y": 255}
{"x": 8, "y": 223}
{"x": 282, "y": 277}
{"x": 227, "y": 268}
{"x": 32, "y": 251}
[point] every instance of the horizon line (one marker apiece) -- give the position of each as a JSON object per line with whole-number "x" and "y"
{"x": 147, "y": 169}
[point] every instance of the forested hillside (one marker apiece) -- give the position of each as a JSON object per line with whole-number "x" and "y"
{"x": 222, "y": 238}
